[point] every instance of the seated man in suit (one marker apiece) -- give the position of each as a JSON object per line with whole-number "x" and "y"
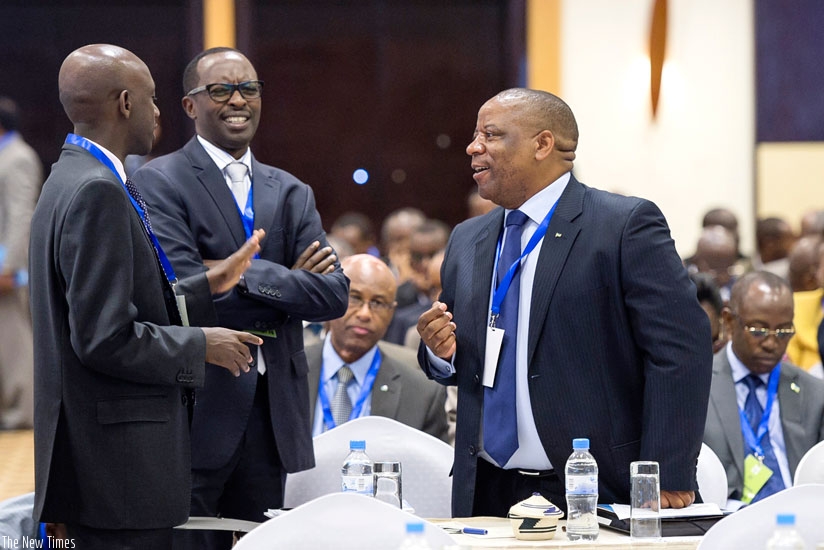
{"x": 764, "y": 413}
{"x": 379, "y": 378}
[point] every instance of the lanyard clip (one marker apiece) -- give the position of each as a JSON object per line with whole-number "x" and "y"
{"x": 493, "y": 319}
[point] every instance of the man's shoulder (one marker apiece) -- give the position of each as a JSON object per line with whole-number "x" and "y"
{"x": 802, "y": 377}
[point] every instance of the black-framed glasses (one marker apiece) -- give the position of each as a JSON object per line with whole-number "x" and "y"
{"x": 375, "y": 305}
{"x": 221, "y": 92}
{"x": 762, "y": 333}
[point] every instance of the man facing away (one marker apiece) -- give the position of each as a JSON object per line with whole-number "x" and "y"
{"x": 354, "y": 374}
{"x": 595, "y": 327}
{"x": 205, "y": 197}
{"x": 764, "y": 413}
{"x": 112, "y": 371}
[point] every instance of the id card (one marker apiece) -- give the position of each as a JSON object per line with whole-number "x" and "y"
{"x": 494, "y": 341}
{"x": 181, "y": 307}
{"x": 756, "y": 475}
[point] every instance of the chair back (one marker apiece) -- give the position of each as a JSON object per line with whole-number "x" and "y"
{"x": 425, "y": 464}
{"x": 712, "y": 477}
{"x": 811, "y": 466}
{"x": 343, "y": 521}
{"x": 752, "y": 526}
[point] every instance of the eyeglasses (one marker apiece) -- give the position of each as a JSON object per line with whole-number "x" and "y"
{"x": 221, "y": 92}
{"x": 375, "y": 305}
{"x": 761, "y": 333}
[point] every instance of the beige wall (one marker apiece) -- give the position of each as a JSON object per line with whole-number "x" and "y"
{"x": 790, "y": 179}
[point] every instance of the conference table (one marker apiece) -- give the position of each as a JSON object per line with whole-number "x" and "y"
{"x": 500, "y": 536}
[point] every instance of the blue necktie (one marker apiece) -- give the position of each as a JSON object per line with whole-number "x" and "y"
{"x": 500, "y": 415}
{"x": 754, "y": 411}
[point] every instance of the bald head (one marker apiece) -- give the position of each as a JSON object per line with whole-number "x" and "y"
{"x": 101, "y": 88}
{"x": 804, "y": 263}
{"x": 372, "y": 271}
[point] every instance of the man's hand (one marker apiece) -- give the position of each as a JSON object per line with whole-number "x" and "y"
{"x": 227, "y": 348}
{"x": 438, "y": 331}
{"x": 677, "y": 499}
{"x": 316, "y": 259}
{"x": 223, "y": 275}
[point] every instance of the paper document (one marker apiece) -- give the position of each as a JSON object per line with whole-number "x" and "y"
{"x": 622, "y": 511}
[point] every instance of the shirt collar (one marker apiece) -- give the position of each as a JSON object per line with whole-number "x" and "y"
{"x": 221, "y": 158}
{"x": 537, "y": 206}
{"x": 332, "y": 362}
{"x": 115, "y": 161}
{"x": 739, "y": 369}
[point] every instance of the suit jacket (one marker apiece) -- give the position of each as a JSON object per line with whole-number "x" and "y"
{"x": 619, "y": 349}
{"x": 20, "y": 181}
{"x": 196, "y": 218}
{"x": 409, "y": 398}
{"x": 802, "y": 418}
{"x": 111, "y": 423}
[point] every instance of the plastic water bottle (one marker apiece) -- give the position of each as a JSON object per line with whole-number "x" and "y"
{"x": 581, "y": 492}
{"x": 785, "y": 537}
{"x": 415, "y": 538}
{"x": 356, "y": 472}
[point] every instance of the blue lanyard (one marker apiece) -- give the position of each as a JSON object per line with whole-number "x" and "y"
{"x": 247, "y": 215}
{"x": 6, "y": 139}
{"x": 165, "y": 264}
{"x": 366, "y": 389}
{"x": 503, "y": 287}
{"x": 753, "y": 440}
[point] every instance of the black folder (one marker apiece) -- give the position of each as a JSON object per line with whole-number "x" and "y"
{"x": 683, "y": 526}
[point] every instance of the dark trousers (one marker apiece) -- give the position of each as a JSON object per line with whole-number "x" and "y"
{"x": 496, "y": 490}
{"x": 251, "y": 483}
{"x": 88, "y": 538}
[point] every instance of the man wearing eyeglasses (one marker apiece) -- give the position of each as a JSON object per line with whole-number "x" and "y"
{"x": 764, "y": 413}
{"x": 352, "y": 374}
{"x": 204, "y": 199}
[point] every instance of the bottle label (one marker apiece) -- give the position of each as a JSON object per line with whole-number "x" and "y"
{"x": 582, "y": 485}
{"x": 357, "y": 484}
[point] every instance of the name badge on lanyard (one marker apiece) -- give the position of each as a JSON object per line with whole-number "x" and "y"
{"x": 494, "y": 335}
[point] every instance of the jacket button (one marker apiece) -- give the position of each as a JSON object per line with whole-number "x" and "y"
{"x": 477, "y": 379}
{"x": 472, "y": 450}
{"x": 277, "y": 294}
{"x": 184, "y": 399}
{"x": 261, "y": 288}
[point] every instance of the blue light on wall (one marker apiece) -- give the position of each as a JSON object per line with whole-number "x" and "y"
{"x": 360, "y": 176}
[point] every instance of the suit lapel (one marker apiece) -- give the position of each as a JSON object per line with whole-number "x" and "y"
{"x": 213, "y": 181}
{"x": 555, "y": 249}
{"x": 723, "y": 399}
{"x": 386, "y": 403}
{"x": 485, "y": 248}
{"x": 791, "y": 417}
{"x": 265, "y": 194}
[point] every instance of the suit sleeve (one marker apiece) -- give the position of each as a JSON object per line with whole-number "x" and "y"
{"x": 96, "y": 258}
{"x": 20, "y": 186}
{"x": 673, "y": 334}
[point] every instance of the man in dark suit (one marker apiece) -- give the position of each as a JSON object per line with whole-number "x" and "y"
{"x": 611, "y": 342}
{"x": 382, "y": 379}
{"x": 759, "y": 320}
{"x": 111, "y": 428}
{"x": 245, "y": 437}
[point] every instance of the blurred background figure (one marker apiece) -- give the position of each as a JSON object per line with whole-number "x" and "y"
{"x": 21, "y": 176}
{"x": 812, "y": 223}
{"x": 727, "y": 219}
{"x": 357, "y": 230}
{"x": 712, "y": 304}
{"x": 806, "y": 276}
{"x": 774, "y": 239}
{"x": 476, "y": 205}
{"x": 395, "y": 232}
{"x": 717, "y": 256}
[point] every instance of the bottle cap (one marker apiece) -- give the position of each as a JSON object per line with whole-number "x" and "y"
{"x": 785, "y": 519}
{"x": 414, "y": 527}
{"x": 580, "y": 443}
{"x": 355, "y": 445}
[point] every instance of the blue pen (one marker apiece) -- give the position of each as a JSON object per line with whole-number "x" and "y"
{"x": 473, "y": 531}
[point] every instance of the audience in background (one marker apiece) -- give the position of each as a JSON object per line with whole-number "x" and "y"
{"x": 395, "y": 232}
{"x": 712, "y": 304}
{"x": 751, "y": 381}
{"x": 476, "y": 205}
{"x": 353, "y": 374}
{"x": 774, "y": 239}
{"x": 806, "y": 275}
{"x": 716, "y": 255}
{"x": 812, "y": 223}
{"x": 21, "y": 175}
{"x": 727, "y": 219}
{"x": 356, "y": 229}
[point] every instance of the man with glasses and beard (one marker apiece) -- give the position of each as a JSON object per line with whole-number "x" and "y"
{"x": 205, "y": 198}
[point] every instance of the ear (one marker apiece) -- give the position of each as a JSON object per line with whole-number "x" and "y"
{"x": 544, "y": 144}
{"x": 189, "y": 107}
{"x": 124, "y": 103}
{"x": 727, "y": 319}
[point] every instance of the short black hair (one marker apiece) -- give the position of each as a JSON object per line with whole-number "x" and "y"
{"x": 190, "y": 76}
{"x": 9, "y": 114}
{"x": 707, "y": 291}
